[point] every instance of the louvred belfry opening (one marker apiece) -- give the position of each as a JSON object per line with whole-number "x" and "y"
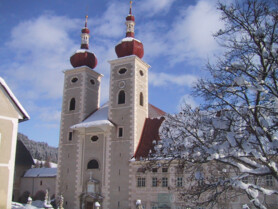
{"x": 84, "y": 57}
{"x": 129, "y": 45}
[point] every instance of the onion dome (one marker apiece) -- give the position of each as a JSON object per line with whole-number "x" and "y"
{"x": 83, "y": 56}
{"x": 129, "y": 45}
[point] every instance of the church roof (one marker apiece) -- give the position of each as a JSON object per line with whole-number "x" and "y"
{"x": 23, "y": 156}
{"x": 149, "y": 134}
{"x": 155, "y": 112}
{"x": 40, "y": 172}
{"x": 25, "y": 115}
{"x": 149, "y": 137}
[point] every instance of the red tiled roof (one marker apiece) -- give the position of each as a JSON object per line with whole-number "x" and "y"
{"x": 155, "y": 112}
{"x": 149, "y": 134}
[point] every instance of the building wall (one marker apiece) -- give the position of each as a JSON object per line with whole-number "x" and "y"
{"x": 19, "y": 172}
{"x": 33, "y": 185}
{"x": 86, "y": 91}
{"x": 130, "y": 116}
{"x": 154, "y": 197}
{"x": 9, "y": 116}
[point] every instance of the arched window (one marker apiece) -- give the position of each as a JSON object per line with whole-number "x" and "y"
{"x": 93, "y": 164}
{"x": 141, "y": 99}
{"x": 121, "y": 97}
{"x": 72, "y": 104}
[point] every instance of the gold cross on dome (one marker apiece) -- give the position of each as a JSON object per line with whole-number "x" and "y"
{"x": 130, "y": 4}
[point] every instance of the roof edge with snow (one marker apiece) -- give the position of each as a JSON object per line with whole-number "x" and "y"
{"x": 24, "y": 113}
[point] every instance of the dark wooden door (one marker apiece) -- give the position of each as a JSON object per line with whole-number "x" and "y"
{"x": 90, "y": 205}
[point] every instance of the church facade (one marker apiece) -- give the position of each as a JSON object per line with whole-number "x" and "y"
{"x": 97, "y": 144}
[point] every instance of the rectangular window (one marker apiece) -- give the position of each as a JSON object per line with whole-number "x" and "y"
{"x": 164, "y": 182}
{"x": 154, "y": 182}
{"x": 179, "y": 182}
{"x": 164, "y": 170}
{"x": 154, "y": 170}
{"x": 269, "y": 180}
{"x": 154, "y": 206}
{"x": 70, "y": 136}
{"x": 141, "y": 182}
{"x": 120, "y": 132}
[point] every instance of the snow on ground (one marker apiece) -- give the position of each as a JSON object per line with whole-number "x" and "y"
{"x": 37, "y": 204}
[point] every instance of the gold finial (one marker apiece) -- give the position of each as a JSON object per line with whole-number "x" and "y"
{"x": 130, "y": 6}
{"x": 86, "y": 21}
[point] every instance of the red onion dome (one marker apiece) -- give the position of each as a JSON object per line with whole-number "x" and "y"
{"x": 85, "y": 30}
{"x": 130, "y": 46}
{"x": 130, "y": 17}
{"x": 83, "y": 58}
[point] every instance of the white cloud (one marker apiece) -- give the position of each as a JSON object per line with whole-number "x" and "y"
{"x": 188, "y": 38}
{"x": 163, "y": 79}
{"x": 41, "y": 48}
{"x": 154, "y": 7}
{"x": 192, "y": 32}
{"x": 112, "y": 23}
{"x": 187, "y": 99}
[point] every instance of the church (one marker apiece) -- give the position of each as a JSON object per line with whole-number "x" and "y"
{"x": 99, "y": 144}
{"x": 101, "y": 147}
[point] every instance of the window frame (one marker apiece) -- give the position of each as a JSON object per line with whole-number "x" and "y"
{"x": 70, "y": 136}
{"x": 165, "y": 170}
{"x": 154, "y": 182}
{"x": 179, "y": 182}
{"x": 72, "y": 104}
{"x": 164, "y": 182}
{"x": 123, "y": 69}
{"x": 93, "y": 168}
{"x": 141, "y": 181}
{"x": 269, "y": 181}
{"x": 141, "y": 99}
{"x": 120, "y": 133}
{"x": 121, "y": 97}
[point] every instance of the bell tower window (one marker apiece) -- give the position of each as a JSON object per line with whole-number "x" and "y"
{"x": 121, "y": 97}
{"x": 72, "y": 104}
{"x": 141, "y": 99}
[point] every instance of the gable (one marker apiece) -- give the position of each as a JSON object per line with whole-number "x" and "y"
{"x": 9, "y": 105}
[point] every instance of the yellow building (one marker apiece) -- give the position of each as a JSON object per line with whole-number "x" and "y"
{"x": 11, "y": 113}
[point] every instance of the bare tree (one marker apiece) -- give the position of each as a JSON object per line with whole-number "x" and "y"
{"x": 236, "y": 128}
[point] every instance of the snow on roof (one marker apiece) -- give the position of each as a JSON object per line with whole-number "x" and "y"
{"x": 52, "y": 165}
{"x": 41, "y": 172}
{"x": 100, "y": 117}
{"x": 128, "y": 39}
{"x": 14, "y": 99}
{"x": 97, "y": 119}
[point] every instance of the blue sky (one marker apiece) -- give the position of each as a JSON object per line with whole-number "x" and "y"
{"x": 39, "y": 36}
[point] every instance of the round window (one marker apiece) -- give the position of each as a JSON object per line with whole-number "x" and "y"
{"x": 73, "y": 80}
{"x": 122, "y": 71}
{"x": 94, "y": 138}
{"x": 141, "y": 72}
{"x": 92, "y": 81}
